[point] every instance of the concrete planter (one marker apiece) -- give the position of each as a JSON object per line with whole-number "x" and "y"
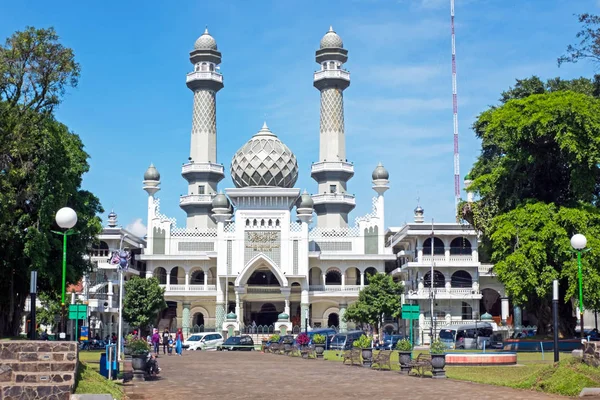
{"x": 405, "y": 357}
{"x": 138, "y": 364}
{"x": 438, "y": 362}
{"x": 367, "y": 356}
{"x": 319, "y": 349}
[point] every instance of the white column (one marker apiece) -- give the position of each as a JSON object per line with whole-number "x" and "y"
{"x": 205, "y": 280}
{"x": 168, "y": 287}
{"x": 344, "y": 281}
{"x": 187, "y": 281}
{"x": 237, "y": 306}
{"x": 148, "y": 274}
{"x": 110, "y": 294}
{"x": 504, "y": 309}
{"x": 324, "y": 276}
{"x": 420, "y": 253}
{"x": 362, "y": 279}
{"x": 447, "y": 253}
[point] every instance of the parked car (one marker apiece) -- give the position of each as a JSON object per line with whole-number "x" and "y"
{"x": 343, "y": 341}
{"x": 237, "y": 343}
{"x": 203, "y": 341}
{"x": 389, "y": 342}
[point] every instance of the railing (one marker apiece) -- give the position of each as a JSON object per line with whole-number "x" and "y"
{"x": 196, "y": 198}
{"x": 435, "y": 258}
{"x": 334, "y": 288}
{"x": 190, "y": 288}
{"x": 263, "y": 289}
{"x": 443, "y": 291}
{"x": 332, "y": 166}
{"x": 334, "y": 197}
{"x": 202, "y": 167}
{"x": 486, "y": 269}
{"x": 198, "y": 75}
{"x": 332, "y": 73}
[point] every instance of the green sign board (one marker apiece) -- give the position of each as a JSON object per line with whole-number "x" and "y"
{"x": 410, "y": 311}
{"x": 78, "y": 311}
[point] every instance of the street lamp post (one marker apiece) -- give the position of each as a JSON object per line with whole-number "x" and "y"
{"x": 579, "y": 242}
{"x": 121, "y": 259}
{"x": 66, "y": 218}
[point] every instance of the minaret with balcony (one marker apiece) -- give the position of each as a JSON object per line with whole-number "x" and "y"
{"x": 332, "y": 203}
{"x": 202, "y": 171}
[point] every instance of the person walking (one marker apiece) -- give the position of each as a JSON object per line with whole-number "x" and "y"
{"x": 178, "y": 341}
{"x": 165, "y": 340}
{"x": 155, "y": 341}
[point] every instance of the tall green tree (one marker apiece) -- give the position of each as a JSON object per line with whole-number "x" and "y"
{"x": 381, "y": 297}
{"x": 41, "y": 168}
{"x": 144, "y": 299}
{"x": 537, "y": 183}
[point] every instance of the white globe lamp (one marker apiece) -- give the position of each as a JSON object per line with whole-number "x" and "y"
{"x": 578, "y": 241}
{"x": 66, "y": 218}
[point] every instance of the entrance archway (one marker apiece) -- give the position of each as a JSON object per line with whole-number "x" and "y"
{"x": 199, "y": 319}
{"x": 490, "y": 302}
{"x": 267, "y": 315}
{"x": 333, "y": 320}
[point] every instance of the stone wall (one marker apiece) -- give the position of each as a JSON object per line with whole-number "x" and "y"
{"x": 37, "y": 369}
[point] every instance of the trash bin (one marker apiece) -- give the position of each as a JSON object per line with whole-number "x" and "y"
{"x": 104, "y": 370}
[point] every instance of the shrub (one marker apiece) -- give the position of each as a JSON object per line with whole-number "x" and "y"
{"x": 302, "y": 339}
{"x": 437, "y": 347}
{"x": 404, "y": 345}
{"x": 136, "y": 345}
{"x": 363, "y": 342}
{"x": 318, "y": 339}
{"x": 274, "y": 338}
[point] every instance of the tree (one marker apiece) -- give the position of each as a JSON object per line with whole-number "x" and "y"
{"x": 537, "y": 184}
{"x": 534, "y": 85}
{"x": 144, "y": 299}
{"x": 381, "y": 297}
{"x": 589, "y": 45}
{"x": 41, "y": 168}
{"x": 49, "y": 312}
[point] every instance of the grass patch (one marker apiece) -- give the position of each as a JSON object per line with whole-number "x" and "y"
{"x": 91, "y": 382}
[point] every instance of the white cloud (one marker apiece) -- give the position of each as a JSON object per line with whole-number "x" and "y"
{"x": 137, "y": 227}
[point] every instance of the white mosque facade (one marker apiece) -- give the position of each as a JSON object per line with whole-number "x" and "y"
{"x": 265, "y": 253}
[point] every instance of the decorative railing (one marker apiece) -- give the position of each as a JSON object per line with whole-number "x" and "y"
{"x": 332, "y": 73}
{"x": 202, "y": 167}
{"x": 334, "y": 232}
{"x": 263, "y": 289}
{"x": 195, "y": 198}
{"x": 443, "y": 291}
{"x": 199, "y": 75}
{"x": 189, "y": 288}
{"x": 332, "y": 166}
{"x": 486, "y": 269}
{"x": 334, "y": 288}
{"x": 334, "y": 197}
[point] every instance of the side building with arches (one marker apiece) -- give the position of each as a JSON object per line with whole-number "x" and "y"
{"x": 440, "y": 268}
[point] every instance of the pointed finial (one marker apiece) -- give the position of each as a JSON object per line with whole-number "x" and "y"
{"x": 265, "y": 127}
{"x": 206, "y": 30}
{"x": 331, "y": 28}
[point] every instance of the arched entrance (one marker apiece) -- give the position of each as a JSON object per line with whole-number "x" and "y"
{"x": 199, "y": 319}
{"x": 490, "y": 302}
{"x": 333, "y": 320}
{"x": 267, "y": 314}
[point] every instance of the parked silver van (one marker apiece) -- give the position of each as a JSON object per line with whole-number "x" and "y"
{"x": 468, "y": 336}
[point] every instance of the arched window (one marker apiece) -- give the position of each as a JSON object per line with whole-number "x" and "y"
{"x": 466, "y": 311}
{"x": 161, "y": 274}
{"x": 197, "y": 278}
{"x": 204, "y": 67}
{"x": 460, "y": 246}
{"x": 211, "y": 67}
{"x": 438, "y": 279}
{"x": 331, "y": 65}
{"x": 324, "y": 65}
{"x": 174, "y": 276}
{"x": 369, "y": 272}
{"x": 438, "y": 246}
{"x": 333, "y": 277}
{"x": 461, "y": 279}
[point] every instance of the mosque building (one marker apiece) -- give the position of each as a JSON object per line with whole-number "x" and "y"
{"x": 265, "y": 253}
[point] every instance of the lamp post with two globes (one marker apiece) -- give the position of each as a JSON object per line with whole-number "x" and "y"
{"x": 578, "y": 242}
{"x": 66, "y": 218}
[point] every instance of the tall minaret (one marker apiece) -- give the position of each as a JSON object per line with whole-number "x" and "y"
{"x": 202, "y": 171}
{"x": 332, "y": 204}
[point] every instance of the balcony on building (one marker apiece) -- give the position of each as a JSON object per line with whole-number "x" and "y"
{"x": 196, "y": 281}
{"x": 338, "y": 77}
{"x": 336, "y": 170}
{"x": 339, "y": 198}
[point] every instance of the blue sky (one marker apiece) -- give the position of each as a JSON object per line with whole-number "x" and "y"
{"x": 132, "y": 106}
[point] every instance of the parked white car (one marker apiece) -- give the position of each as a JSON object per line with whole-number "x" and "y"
{"x": 203, "y": 341}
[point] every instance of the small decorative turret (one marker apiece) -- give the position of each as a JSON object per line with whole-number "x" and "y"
{"x": 380, "y": 179}
{"x": 221, "y": 208}
{"x": 467, "y": 183}
{"x": 151, "y": 180}
{"x": 304, "y": 207}
{"x": 419, "y": 218}
{"x": 112, "y": 219}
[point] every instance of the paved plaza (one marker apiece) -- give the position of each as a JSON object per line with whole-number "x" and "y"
{"x": 253, "y": 375}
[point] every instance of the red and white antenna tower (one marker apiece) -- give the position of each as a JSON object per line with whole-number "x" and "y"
{"x": 455, "y": 115}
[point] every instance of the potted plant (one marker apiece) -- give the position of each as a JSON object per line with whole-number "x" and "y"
{"x": 139, "y": 349}
{"x": 274, "y": 340}
{"x": 365, "y": 344}
{"x": 319, "y": 342}
{"x": 404, "y": 348}
{"x": 438, "y": 359}
{"x": 303, "y": 340}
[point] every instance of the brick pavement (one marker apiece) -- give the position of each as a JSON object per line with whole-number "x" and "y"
{"x": 253, "y": 375}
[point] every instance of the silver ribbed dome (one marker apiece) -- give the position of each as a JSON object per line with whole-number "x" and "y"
{"x": 151, "y": 174}
{"x": 205, "y": 42}
{"x": 264, "y": 161}
{"x": 380, "y": 173}
{"x": 305, "y": 201}
{"x": 220, "y": 201}
{"x": 331, "y": 40}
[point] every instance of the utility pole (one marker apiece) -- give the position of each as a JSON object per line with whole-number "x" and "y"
{"x": 431, "y": 288}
